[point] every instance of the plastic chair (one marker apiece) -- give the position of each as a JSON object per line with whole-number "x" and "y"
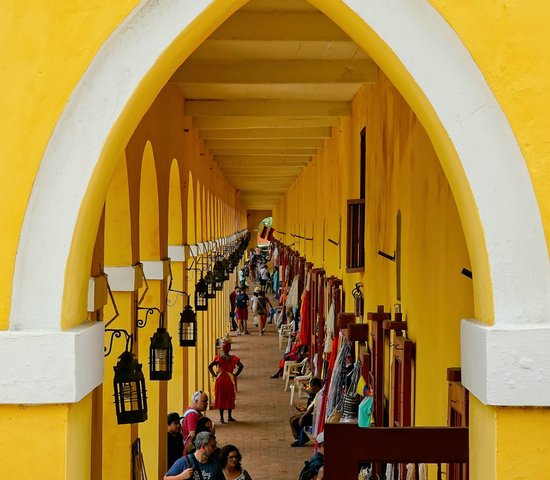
{"x": 299, "y": 383}
{"x": 284, "y": 332}
{"x": 292, "y": 370}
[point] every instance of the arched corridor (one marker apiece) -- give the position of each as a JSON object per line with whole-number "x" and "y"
{"x": 393, "y": 145}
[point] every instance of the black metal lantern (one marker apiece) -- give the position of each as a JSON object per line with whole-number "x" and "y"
{"x": 219, "y": 274}
{"x": 226, "y": 267}
{"x": 161, "y": 355}
{"x": 201, "y": 296}
{"x": 188, "y": 327}
{"x": 210, "y": 280}
{"x": 130, "y": 393}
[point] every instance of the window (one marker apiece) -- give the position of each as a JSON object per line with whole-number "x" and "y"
{"x": 355, "y": 252}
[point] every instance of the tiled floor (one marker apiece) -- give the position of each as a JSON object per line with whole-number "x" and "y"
{"x": 262, "y": 432}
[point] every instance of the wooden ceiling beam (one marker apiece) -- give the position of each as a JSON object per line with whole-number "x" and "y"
{"x": 293, "y": 143}
{"x": 269, "y": 72}
{"x": 278, "y": 26}
{"x": 275, "y": 161}
{"x": 209, "y": 108}
{"x": 246, "y": 122}
{"x": 266, "y": 133}
{"x": 283, "y": 152}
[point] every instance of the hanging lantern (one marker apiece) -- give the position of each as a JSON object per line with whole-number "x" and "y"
{"x": 160, "y": 355}
{"x": 218, "y": 276}
{"x": 210, "y": 283}
{"x": 130, "y": 393}
{"x": 188, "y": 327}
{"x": 226, "y": 266}
{"x": 201, "y": 296}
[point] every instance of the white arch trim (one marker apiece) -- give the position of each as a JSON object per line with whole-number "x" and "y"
{"x": 433, "y": 55}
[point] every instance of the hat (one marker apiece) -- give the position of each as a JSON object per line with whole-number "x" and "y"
{"x": 173, "y": 417}
{"x": 321, "y": 438}
{"x": 257, "y": 290}
{"x": 202, "y": 438}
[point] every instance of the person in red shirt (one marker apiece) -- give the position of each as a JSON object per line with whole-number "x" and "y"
{"x": 199, "y": 404}
{"x": 225, "y": 387}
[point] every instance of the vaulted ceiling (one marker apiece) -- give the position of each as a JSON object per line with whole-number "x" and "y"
{"x": 265, "y": 89}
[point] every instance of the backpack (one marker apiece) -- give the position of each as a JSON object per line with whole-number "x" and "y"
{"x": 265, "y": 274}
{"x": 240, "y": 301}
{"x": 309, "y": 471}
{"x": 260, "y": 307}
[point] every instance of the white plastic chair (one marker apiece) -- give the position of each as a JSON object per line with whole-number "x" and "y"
{"x": 293, "y": 369}
{"x": 285, "y": 332}
{"x": 299, "y": 383}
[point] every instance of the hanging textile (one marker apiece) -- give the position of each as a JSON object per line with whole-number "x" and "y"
{"x": 275, "y": 281}
{"x": 329, "y": 327}
{"x": 305, "y": 313}
{"x": 275, "y": 257}
{"x": 317, "y": 412}
{"x": 292, "y": 298}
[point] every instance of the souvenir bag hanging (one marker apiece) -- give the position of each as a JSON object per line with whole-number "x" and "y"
{"x": 334, "y": 393}
{"x": 351, "y": 398}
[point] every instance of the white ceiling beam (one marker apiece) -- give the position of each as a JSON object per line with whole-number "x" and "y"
{"x": 257, "y": 133}
{"x": 276, "y": 71}
{"x": 278, "y": 26}
{"x": 306, "y": 143}
{"x": 208, "y": 108}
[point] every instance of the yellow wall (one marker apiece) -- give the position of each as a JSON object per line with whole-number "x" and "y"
{"x": 50, "y": 46}
{"x": 46, "y": 441}
{"x": 403, "y": 173}
{"x": 510, "y": 43}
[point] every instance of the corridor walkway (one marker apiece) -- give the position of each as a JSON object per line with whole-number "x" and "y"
{"x": 262, "y": 432}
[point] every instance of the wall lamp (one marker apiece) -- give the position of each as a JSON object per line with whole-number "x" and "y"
{"x": 128, "y": 383}
{"x": 161, "y": 352}
{"x": 357, "y": 293}
{"x": 187, "y": 329}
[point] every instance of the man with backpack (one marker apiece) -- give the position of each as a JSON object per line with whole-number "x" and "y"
{"x": 261, "y": 308}
{"x": 264, "y": 276}
{"x": 241, "y": 312}
{"x": 199, "y": 404}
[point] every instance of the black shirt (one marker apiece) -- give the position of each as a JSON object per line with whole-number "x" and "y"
{"x": 175, "y": 448}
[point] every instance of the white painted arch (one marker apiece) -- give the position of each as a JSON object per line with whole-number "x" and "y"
{"x": 425, "y": 47}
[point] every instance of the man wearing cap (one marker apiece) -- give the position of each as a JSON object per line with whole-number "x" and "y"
{"x": 175, "y": 438}
{"x": 198, "y": 465}
{"x": 312, "y": 466}
{"x": 199, "y": 403}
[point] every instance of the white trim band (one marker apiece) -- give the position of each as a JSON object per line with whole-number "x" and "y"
{"x": 124, "y": 279}
{"x": 506, "y": 366}
{"x": 156, "y": 269}
{"x": 176, "y": 253}
{"x": 51, "y": 367}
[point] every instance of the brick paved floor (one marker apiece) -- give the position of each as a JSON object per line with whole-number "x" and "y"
{"x": 262, "y": 432}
